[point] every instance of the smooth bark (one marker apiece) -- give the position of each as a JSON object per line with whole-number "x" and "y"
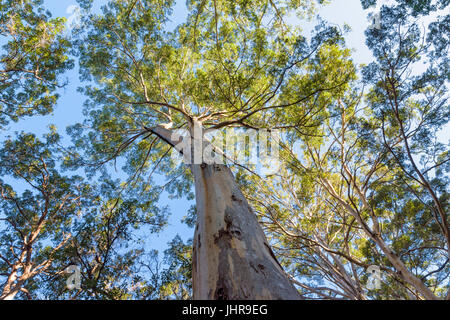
{"x": 232, "y": 258}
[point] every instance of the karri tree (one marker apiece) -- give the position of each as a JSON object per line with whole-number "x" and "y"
{"x": 231, "y": 64}
{"x": 50, "y": 221}
{"x": 361, "y": 180}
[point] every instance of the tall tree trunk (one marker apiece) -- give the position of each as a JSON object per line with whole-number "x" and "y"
{"x": 231, "y": 256}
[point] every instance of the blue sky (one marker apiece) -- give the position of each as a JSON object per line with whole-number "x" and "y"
{"x": 69, "y": 108}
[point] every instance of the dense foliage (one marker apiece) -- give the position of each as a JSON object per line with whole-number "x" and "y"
{"x": 364, "y": 175}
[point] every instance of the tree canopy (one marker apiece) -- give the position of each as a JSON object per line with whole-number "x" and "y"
{"x": 32, "y": 60}
{"x": 363, "y": 180}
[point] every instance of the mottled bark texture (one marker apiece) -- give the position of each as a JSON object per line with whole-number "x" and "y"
{"x": 232, "y": 258}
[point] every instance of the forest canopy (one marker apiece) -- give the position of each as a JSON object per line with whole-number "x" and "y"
{"x": 352, "y": 203}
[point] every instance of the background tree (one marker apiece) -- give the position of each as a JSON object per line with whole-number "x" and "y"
{"x": 369, "y": 186}
{"x": 35, "y": 225}
{"x": 177, "y": 278}
{"x": 364, "y": 173}
{"x": 33, "y": 58}
{"x": 60, "y": 221}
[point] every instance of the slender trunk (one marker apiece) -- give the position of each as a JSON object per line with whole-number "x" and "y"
{"x": 232, "y": 258}
{"x": 407, "y": 275}
{"x": 403, "y": 271}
